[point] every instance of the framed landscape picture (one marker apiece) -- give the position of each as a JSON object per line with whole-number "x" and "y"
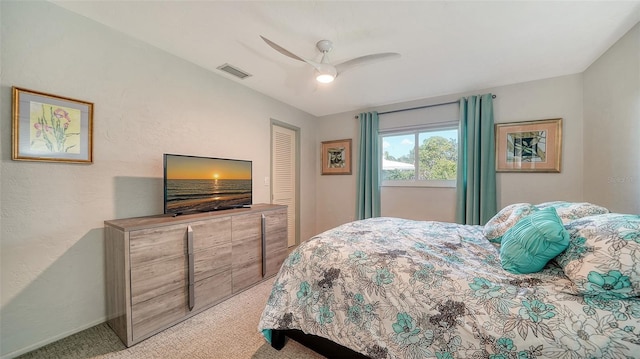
{"x": 336, "y": 157}
{"x": 51, "y": 128}
{"x": 533, "y": 146}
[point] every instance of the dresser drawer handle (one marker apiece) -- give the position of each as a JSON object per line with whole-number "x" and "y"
{"x": 192, "y": 298}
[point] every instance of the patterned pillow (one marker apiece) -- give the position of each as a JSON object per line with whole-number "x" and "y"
{"x": 602, "y": 257}
{"x": 568, "y": 211}
{"x": 497, "y": 226}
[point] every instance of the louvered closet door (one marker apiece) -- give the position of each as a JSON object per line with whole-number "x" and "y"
{"x": 283, "y": 171}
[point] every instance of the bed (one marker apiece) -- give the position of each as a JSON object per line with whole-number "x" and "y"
{"x": 397, "y": 288}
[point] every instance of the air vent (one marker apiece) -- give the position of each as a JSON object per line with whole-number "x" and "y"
{"x": 233, "y": 71}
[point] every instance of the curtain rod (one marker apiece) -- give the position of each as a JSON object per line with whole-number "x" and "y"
{"x": 420, "y": 107}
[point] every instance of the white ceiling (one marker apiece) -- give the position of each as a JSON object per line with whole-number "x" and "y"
{"x": 446, "y": 46}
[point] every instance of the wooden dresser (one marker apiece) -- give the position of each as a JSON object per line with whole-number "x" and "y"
{"x": 162, "y": 270}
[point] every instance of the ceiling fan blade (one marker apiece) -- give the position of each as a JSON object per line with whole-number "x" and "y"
{"x": 367, "y": 59}
{"x": 282, "y": 50}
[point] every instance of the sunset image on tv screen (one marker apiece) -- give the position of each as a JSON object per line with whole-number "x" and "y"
{"x": 200, "y": 184}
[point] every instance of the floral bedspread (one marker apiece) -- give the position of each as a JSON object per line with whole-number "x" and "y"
{"x": 396, "y": 288}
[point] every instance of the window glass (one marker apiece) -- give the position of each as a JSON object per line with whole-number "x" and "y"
{"x": 434, "y": 165}
{"x": 398, "y": 160}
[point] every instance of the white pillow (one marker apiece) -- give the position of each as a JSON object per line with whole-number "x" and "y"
{"x": 497, "y": 226}
{"x": 568, "y": 211}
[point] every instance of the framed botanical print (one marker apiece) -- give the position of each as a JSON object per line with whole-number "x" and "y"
{"x": 51, "y": 128}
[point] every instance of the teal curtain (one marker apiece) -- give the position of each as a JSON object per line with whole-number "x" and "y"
{"x": 476, "y": 182}
{"x": 368, "y": 186}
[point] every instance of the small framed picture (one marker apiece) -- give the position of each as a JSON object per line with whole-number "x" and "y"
{"x": 533, "y": 146}
{"x": 336, "y": 157}
{"x": 51, "y": 128}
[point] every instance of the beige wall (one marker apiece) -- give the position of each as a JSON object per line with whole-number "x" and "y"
{"x": 335, "y": 194}
{"x": 146, "y": 103}
{"x": 559, "y": 97}
{"x": 536, "y": 100}
{"x": 612, "y": 126}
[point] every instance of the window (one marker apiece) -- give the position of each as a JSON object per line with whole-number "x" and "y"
{"x": 436, "y": 162}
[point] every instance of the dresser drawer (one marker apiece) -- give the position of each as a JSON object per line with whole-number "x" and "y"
{"x": 158, "y": 312}
{"x": 211, "y": 261}
{"x": 158, "y": 277}
{"x": 211, "y": 233}
{"x": 246, "y": 226}
{"x": 157, "y": 244}
{"x": 276, "y": 221}
{"x": 213, "y": 289}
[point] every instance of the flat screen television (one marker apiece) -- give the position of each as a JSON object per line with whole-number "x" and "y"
{"x": 202, "y": 184}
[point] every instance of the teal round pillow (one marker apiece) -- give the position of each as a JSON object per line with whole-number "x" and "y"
{"x": 533, "y": 241}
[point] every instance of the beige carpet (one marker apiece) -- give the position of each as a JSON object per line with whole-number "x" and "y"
{"x": 228, "y": 330}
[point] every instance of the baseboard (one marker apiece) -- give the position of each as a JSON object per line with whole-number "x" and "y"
{"x": 55, "y": 338}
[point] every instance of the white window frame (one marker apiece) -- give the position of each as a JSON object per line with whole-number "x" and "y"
{"x": 415, "y": 130}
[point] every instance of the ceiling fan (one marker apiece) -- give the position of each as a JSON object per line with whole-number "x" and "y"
{"x": 325, "y": 71}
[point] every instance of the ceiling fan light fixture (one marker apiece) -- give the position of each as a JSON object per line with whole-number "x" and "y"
{"x": 325, "y": 78}
{"x": 325, "y": 73}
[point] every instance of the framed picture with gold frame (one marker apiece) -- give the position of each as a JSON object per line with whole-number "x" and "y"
{"x": 51, "y": 128}
{"x": 336, "y": 157}
{"x": 532, "y": 146}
